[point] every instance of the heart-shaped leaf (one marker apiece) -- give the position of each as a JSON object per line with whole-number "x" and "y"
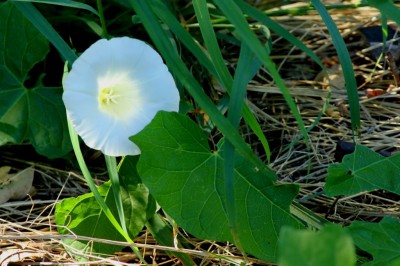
{"x": 36, "y": 114}
{"x": 187, "y": 181}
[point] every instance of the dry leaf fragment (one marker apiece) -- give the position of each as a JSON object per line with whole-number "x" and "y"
{"x": 19, "y": 255}
{"x": 15, "y": 186}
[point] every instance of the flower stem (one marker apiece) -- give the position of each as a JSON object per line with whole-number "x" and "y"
{"x": 96, "y": 194}
{"x": 115, "y": 185}
{"x": 102, "y": 19}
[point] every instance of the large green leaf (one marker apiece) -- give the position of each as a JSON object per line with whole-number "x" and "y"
{"x": 331, "y": 246}
{"x": 84, "y": 217}
{"x": 187, "y": 181}
{"x": 37, "y": 113}
{"x": 363, "y": 170}
{"x": 382, "y": 240}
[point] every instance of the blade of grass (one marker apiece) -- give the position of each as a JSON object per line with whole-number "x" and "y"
{"x": 387, "y": 8}
{"x": 104, "y": 33}
{"x": 278, "y": 29}
{"x": 235, "y": 16}
{"x": 347, "y": 66}
{"x": 66, "y": 3}
{"x": 282, "y": 32}
{"x": 210, "y": 41}
{"x": 41, "y": 23}
{"x": 179, "y": 69}
{"x": 239, "y": 90}
{"x": 162, "y": 12}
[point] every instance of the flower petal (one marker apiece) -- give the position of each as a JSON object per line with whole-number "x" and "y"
{"x": 114, "y": 90}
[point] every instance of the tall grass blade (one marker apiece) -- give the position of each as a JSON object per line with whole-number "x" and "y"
{"x": 178, "y": 68}
{"x": 347, "y": 66}
{"x": 278, "y": 29}
{"x": 162, "y": 12}
{"x": 235, "y": 16}
{"x": 210, "y": 41}
{"x": 238, "y": 95}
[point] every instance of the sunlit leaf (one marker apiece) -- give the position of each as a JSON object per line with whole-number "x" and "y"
{"x": 187, "y": 181}
{"x": 84, "y": 217}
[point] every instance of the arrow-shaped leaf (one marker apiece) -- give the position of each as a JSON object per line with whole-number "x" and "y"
{"x": 36, "y": 114}
{"x": 363, "y": 170}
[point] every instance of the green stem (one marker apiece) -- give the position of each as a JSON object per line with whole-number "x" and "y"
{"x": 93, "y": 189}
{"x": 102, "y": 19}
{"x": 112, "y": 171}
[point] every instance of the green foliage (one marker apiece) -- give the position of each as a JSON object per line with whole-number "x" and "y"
{"x": 247, "y": 207}
{"x": 84, "y": 217}
{"x": 187, "y": 181}
{"x": 182, "y": 73}
{"x": 331, "y": 246}
{"x": 67, "y": 3}
{"x": 45, "y": 28}
{"x": 363, "y": 170}
{"x": 36, "y": 114}
{"x": 382, "y": 240}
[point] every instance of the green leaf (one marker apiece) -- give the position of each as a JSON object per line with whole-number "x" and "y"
{"x": 45, "y": 28}
{"x": 382, "y": 240}
{"x": 164, "y": 235}
{"x": 331, "y": 246}
{"x": 84, "y": 217}
{"x": 363, "y": 170}
{"x": 37, "y": 114}
{"x": 67, "y": 3}
{"x": 187, "y": 181}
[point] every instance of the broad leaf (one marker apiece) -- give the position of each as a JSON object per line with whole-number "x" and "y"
{"x": 83, "y": 216}
{"x": 36, "y": 114}
{"x": 187, "y": 181}
{"x": 382, "y": 240}
{"x": 331, "y": 246}
{"x": 363, "y": 170}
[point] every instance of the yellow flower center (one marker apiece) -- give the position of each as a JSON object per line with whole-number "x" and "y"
{"x": 108, "y": 96}
{"x": 118, "y": 96}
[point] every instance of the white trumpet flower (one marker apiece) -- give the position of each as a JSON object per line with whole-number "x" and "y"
{"x": 114, "y": 89}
